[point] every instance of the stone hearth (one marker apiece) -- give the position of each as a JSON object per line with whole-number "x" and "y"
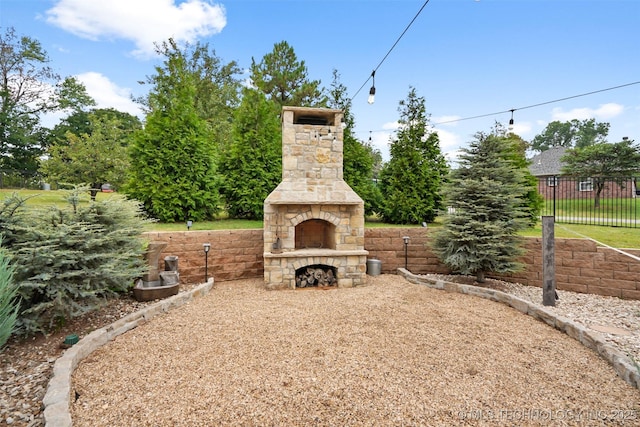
{"x": 313, "y": 218}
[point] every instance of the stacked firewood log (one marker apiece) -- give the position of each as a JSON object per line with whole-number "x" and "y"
{"x": 315, "y": 276}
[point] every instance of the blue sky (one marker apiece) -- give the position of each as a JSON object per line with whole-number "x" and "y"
{"x": 465, "y": 57}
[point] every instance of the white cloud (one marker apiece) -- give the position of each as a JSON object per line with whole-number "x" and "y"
{"x": 107, "y": 94}
{"x": 605, "y": 111}
{"x": 391, "y": 126}
{"x": 449, "y": 144}
{"x": 380, "y": 140}
{"x": 142, "y": 21}
{"x": 448, "y": 140}
{"x": 522, "y": 128}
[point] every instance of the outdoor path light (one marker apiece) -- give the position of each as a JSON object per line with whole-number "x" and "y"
{"x": 406, "y": 246}
{"x": 207, "y": 247}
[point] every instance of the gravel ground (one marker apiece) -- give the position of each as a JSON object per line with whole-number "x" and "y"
{"x": 389, "y": 353}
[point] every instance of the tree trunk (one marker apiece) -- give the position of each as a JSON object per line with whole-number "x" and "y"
{"x": 599, "y": 188}
{"x": 480, "y": 276}
{"x": 94, "y": 190}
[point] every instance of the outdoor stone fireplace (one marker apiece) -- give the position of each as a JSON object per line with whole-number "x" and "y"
{"x": 313, "y": 220}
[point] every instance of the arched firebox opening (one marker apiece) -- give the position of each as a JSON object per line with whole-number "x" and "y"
{"x": 315, "y": 234}
{"x": 316, "y": 276}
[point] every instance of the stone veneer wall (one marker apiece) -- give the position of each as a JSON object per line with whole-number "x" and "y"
{"x": 581, "y": 266}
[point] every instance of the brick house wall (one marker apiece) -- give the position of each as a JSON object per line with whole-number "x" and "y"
{"x": 581, "y": 266}
{"x": 568, "y": 188}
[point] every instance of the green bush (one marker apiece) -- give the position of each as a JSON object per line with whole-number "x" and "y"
{"x": 68, "y": 260}
{"x": 8, "y": 302}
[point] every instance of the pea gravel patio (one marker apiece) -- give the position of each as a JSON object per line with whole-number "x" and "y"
{"x": 388, "y": 353}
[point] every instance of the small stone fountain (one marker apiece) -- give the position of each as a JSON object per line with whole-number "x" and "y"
{"x": 156, "y": 284}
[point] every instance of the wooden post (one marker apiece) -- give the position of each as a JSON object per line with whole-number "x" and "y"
{"x": 548, "y": 262}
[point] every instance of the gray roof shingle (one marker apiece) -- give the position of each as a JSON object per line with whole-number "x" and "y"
{"x": 548, "y": 162}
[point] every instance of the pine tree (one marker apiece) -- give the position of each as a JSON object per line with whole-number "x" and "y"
{"x": 411, "y": 181}
{"x": 486, "y": 210}
{"x": 252, "y": 165}
{"x": 283, "y": 79}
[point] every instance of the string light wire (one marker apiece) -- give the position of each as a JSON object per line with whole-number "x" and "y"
{"x": 391, "y": 49}
{"x": 511, "y": 110}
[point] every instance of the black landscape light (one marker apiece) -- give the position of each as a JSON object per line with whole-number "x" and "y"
{"x": 406, "y": 246}
{"x": 207, "y": 247}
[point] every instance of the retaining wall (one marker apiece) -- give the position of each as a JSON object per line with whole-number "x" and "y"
{"x": 581, "y": 266}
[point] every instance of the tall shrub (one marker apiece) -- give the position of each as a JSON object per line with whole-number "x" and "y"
{"x": 173, "y": 159}
{"x": 411, "y": 181}
{"x": 252, "y": 164}
{"x": 68, "y": 259}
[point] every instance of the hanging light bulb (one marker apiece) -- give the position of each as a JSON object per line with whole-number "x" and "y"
{"x": 372, "y": 91}
{"x": 511, "y": 121}
{"x": 370, "y": 141}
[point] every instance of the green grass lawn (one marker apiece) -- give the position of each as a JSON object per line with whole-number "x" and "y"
{"x": 48, "y": 198}
{"x": 614, "y": 208}
{"x": 617, "y": 237}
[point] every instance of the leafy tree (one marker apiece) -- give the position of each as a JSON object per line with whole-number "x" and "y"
{"x": 358, "y": 158}
{"x": 284, "y": 79}
{"x": 217, "y": 87}
{"x": 252, "y": 164}
{"x": 173, "y": 166}
{"x": 486, "y": 210}
{"x": 411, "y": 181}
{"x": 574, "y": 133}
{"x": 8, "y": 302}
{"x": 96, "y": 158}
{"x": 602, "y": 161}
{"x": 28, "y": 88}
{"x": 68, "y": 259}
{"x": 78, "y": 123}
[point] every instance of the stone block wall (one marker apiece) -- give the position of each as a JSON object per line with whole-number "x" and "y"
{"x": 234, "y": 254}
{"x": 581, "y": 266}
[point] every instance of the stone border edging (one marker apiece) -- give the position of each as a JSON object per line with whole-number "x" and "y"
{"x": 56, "y": 400}
{"x": 590, "y": 339}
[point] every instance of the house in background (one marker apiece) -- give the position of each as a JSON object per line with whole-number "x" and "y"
{"x": 547, "y": 167}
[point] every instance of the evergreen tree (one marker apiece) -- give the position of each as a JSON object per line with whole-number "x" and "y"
{"x": 252, "y": 164}
{"x": 173, "y": 167}
{"x": 485, "y": 202}
{"x": 68, "y": 259}
{"x": 358, "y": 158}
{"x": 217, "y": 87}
{"x": 411, "y": 181}
{"x": 284, "y": 80}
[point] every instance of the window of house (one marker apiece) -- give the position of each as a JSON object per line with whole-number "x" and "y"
{"x": 586, "y": 185}
{"x": 552, "y": 181}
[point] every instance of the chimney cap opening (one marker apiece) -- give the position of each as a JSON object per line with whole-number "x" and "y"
{"x": 313, "y": 116}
